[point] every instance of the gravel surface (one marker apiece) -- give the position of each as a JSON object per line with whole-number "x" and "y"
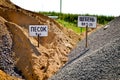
{"x": 7, "y": 63}
{"x": 99, "y": 38}
{"x": 100, "y": 62}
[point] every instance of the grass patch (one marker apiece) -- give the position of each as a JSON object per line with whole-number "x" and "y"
{"x": 72, "y": 26}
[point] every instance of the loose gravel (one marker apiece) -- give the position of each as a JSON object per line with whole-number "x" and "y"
{"x": 100, "y": 62}
{"x": 7, "y": 63}
{"x": 99, "y": 38}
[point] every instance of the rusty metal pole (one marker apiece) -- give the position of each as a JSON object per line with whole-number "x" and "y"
{"x": 38, "y": 39}
{"x": 86, "y": 45}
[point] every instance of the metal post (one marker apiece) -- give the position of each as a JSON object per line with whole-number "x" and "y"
{"x": 38, "y": 39}
{"x": 86, "y": 45}
{"x": 60, "y": 6}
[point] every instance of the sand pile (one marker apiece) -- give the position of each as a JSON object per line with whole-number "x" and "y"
{"x": 27, "y": 60}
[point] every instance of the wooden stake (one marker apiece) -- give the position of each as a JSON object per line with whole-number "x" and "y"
{"x": 86, "y": 45}
{"x": 38, "y": 39}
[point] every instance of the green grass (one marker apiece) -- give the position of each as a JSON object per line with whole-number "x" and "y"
{"x": 72, "y": 26}
{"x": 70, "y": 20}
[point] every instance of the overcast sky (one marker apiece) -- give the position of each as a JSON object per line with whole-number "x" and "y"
{"x": 99, "y": 7}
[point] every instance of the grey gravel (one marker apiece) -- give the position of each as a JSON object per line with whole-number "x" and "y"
{"x": 100, "y": 62}
{"x": 99, "y": 38}
{"x": 7, "y": 63}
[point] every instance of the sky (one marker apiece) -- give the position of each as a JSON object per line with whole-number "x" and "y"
{"x": 97, "y": 7}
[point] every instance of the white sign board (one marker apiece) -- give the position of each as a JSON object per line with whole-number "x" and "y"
{"x": 35, "y": 30}
{"x": 89, "y": 21}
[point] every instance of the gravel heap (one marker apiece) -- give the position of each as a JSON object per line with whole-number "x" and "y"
{"x": 99, "y": 38}
{"x": 7, "y": 63}
{"x": 100, "y": 61}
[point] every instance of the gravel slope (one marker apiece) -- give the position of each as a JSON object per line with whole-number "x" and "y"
{"x": 100, "y": 62}
{"x": 99, "y": 38}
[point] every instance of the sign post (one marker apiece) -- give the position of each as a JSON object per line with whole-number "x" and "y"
{"x": 38, "y": 31}
{"x": 87, "y": 21}
{"x": 86, "y": 44}
{"x": 38, "y": 40}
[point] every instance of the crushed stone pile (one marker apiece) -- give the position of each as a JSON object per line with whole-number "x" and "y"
{"x": 99, "y": 38}
{"x": 100, "y": 60}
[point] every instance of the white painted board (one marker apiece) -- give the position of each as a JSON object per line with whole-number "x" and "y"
{"x": 89, "y": 21}
{"x": 35, "y": 30}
